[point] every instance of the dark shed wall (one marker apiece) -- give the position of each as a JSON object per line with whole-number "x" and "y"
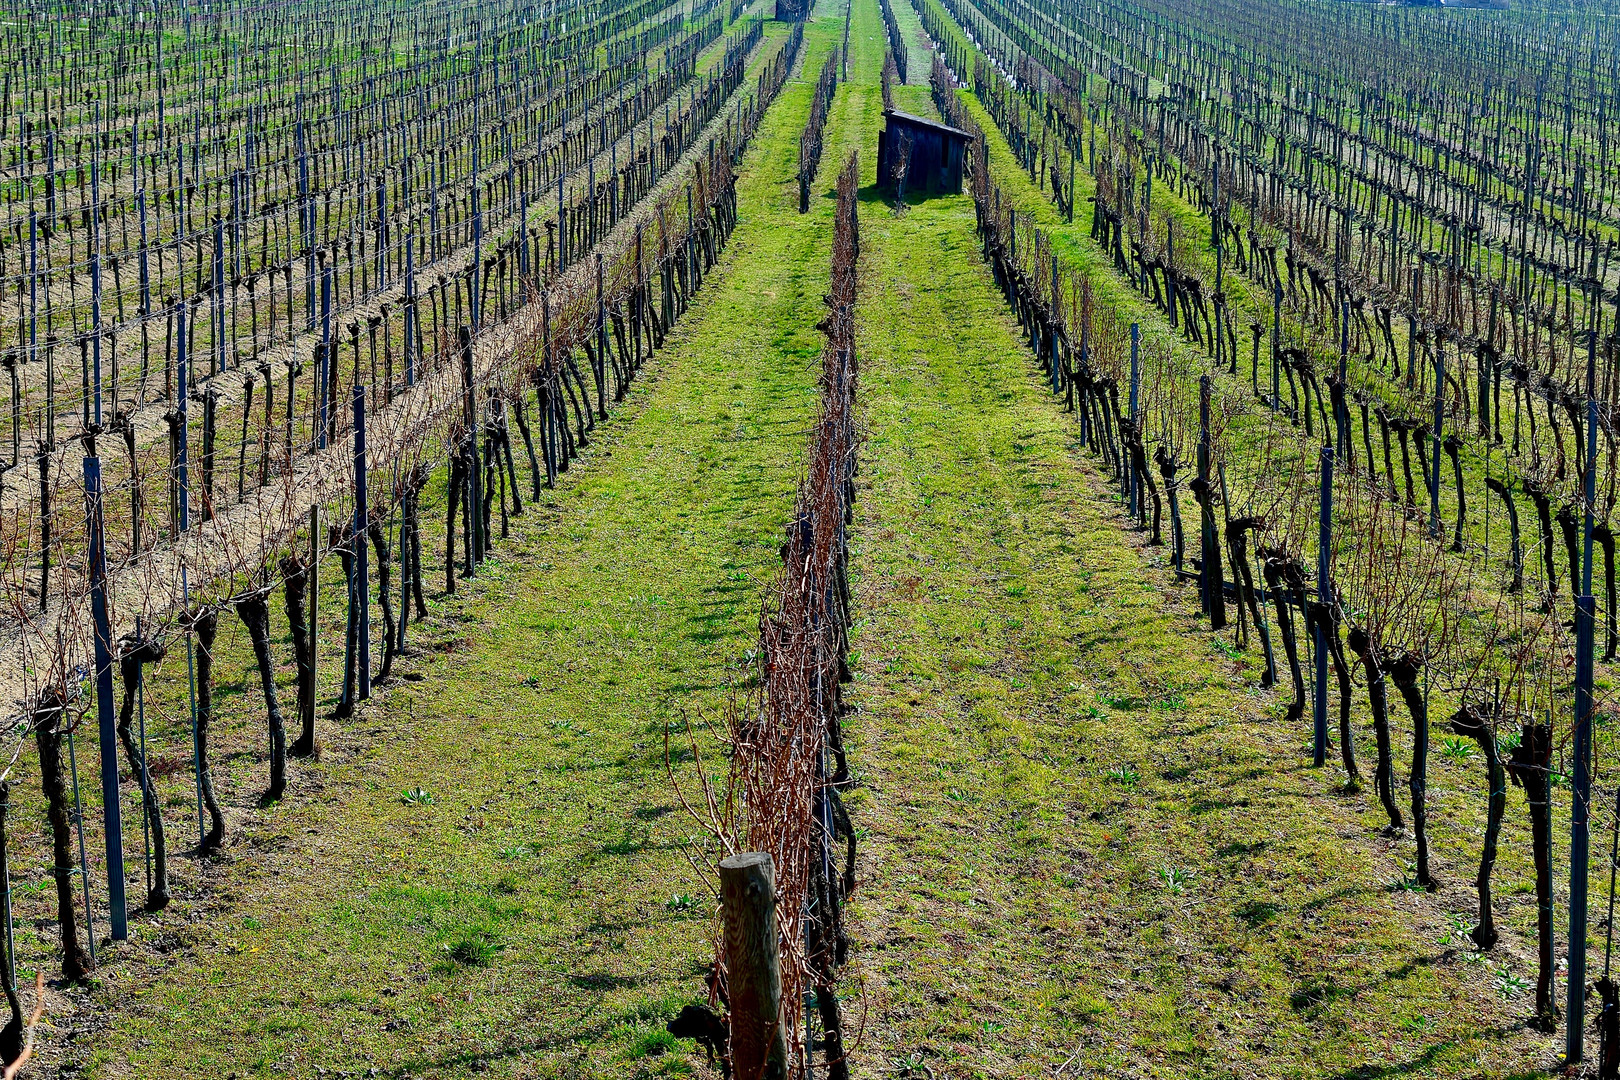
{"x": 936, "y": 155}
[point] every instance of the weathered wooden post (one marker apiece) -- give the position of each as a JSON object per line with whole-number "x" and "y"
{"x": 521, "y": 234}
{"x": 146, "y": 288}
{"x": 382, "y": 232}
{"x": 754, "y": 975}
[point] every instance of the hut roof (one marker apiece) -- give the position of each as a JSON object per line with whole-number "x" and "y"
{"x": 923, "y": 122}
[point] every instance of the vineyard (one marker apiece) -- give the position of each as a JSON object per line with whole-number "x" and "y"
{"x": 795, "y": 538}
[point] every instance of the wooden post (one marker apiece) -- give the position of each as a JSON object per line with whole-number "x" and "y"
{"x": 748, "y": 897}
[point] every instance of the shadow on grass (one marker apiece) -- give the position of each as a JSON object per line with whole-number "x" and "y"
{"x": 1427, "y": 1059}
{"x": 604, "y": 981}
{"x": 1338, "y": 894}
{"x": 587, "y": 1025}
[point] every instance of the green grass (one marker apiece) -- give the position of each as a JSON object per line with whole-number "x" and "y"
{"x": 1085, "y": 841}
{"x": 919, "y": 60}
{"x": 1254, "y": 428}
{"x": 479, "y": 870}
{"x": 1457, "y": 786}
{"x": 1089, "y": 842}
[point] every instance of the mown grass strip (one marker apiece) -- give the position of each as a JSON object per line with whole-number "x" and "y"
{"x": 1457, "y": 784}
{"x": 1089, "y": 845}
{"x": 535, "y": 909}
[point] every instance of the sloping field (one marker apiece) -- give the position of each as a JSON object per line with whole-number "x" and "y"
{"x": 1095, "y": 847}
{"x": 1088, "y": 841}
{"x": 536, "y": 911}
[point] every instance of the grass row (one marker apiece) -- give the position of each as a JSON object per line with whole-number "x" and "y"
{"x": 529, "y": 904}
{"x": 1092, "y": 847}
{"x": 1457, "y": 782}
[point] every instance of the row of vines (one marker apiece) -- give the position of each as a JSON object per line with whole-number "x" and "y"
{"x": 493, "y": 329}
{"x": 1300, "y": 284}
{"x": 786, "y": 759}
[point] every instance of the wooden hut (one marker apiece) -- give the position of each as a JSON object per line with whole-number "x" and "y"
{"x": 933, "y": 160}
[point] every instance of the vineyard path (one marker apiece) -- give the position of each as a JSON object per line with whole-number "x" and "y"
{"x": 1092, "y": 847}
{"x": 535, "y": 913}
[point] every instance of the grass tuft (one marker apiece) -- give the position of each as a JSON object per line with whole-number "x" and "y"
{"x": 475, "y": 948}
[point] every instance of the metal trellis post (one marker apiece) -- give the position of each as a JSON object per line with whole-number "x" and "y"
{"x": 361, "y": 568}
{"x": 1581, "y": 795}
{"x": 1324, "y": 593}
{"x": 112, "y": 811}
